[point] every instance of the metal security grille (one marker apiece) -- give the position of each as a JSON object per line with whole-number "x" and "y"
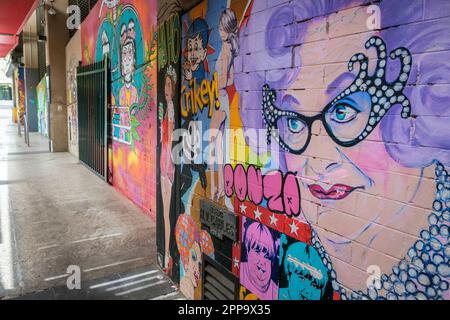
{"x": 93, "y": 93}
{"x": 218, "y": 282}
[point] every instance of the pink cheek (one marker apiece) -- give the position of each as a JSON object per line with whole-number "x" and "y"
{"x": 293, "y": 162}
{"x": 370, "y": 154}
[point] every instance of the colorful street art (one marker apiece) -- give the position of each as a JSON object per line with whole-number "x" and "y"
{"x": 347, "y": 172}
{"x": 72, "y": 125}
{"x": 73, "y": 60}
{"x": 42, "y": 106}
{"x": 169, "y": 47}
{"x": 125, "y": 30}
{"x": 192, "y": 243}
{"x": 20, "y": 81}
{"x": 374, "y": 150}
{"x": 203, "y": 102}
{"x": 303, "y": 276}
{"x": 259, "y": 259}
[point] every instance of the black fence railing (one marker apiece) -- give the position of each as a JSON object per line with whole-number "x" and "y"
{"x": 93, "y": 92}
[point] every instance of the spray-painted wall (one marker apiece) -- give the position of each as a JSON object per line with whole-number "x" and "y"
{"x": 31, "y": 77}
{"x": 42, "y": 106}
{"x": 126, "y": 31}
{"x": 73, "y": 59}
{"x": 337, "y": 163}
{"x": 19, "y": 82}
{"x": 169, "y": 173}
{"x": 169, "y": 38}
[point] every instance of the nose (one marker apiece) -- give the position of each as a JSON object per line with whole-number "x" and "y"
{"x": 322, "y": 152}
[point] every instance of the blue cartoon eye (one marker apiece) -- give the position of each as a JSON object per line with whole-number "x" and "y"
{"x": 295, "y": 125}
{"x": 343, "y": 113}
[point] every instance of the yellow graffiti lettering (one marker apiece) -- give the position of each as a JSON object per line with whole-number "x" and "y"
{"x": 204, "y": 92}
{"x": 199, "y": 97}
{"x": 184, "y": 103}
{"x": 214, "y": 95}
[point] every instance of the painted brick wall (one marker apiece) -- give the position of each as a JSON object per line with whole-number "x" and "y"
{"x": 336, "y": 158}
{"x": 126, "y": 31}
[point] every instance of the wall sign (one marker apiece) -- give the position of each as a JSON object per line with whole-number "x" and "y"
{"x": 220, "y": 221}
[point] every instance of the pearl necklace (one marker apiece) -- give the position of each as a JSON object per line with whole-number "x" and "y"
{"x": 424, "y": 273}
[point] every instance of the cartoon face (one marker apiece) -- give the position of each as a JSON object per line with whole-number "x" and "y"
{"x": 222, "y": 33}
{"x": 128, "y": 60}
{"x": 306, "y": 274}
{"x": 168, "y": 89}
{"x": 111, "y": 3}
{"x": 194, "y": 264}
{"x": 131, "y": 30}
{"x": 340, "y": 138}
{"x": 259, "y": 265}
{"x": 196, "y": 52}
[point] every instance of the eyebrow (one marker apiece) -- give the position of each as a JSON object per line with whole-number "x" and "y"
{"x": 336, "y": 83}
{"x": 289, "y": 103}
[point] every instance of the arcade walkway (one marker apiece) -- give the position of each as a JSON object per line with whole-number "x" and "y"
{"x": 54, "y": 213}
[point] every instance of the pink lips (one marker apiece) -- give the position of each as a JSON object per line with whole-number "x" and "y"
{"x": 336, "y": 192}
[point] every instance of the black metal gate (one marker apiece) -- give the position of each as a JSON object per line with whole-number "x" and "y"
{"x": 93, "y": 93}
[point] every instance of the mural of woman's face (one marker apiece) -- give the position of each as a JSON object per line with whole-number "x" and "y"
{"x": 344, "y": 189}
{"x": 194, "y": 264}
{"x": 168, "y": 89}
{"x": 128, "y": 61}
{"x": 222, "y": 33}
{"x": 259, "y": 267}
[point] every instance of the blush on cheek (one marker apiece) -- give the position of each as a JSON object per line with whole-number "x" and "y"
{"x": 294, "y": 162}
{"x": 370, "y": 154}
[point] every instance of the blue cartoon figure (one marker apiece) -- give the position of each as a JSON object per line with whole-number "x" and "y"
{"x": 305, "y": 277}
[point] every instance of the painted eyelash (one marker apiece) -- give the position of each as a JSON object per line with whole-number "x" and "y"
{"x": 383, "y": 95}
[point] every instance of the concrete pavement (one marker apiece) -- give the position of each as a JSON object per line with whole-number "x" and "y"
{"x": 54, "y": 213}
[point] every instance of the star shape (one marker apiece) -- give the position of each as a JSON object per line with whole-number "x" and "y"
{"x": 293, "y": 227}
{"x": 236, "y": 263}
{"x": 243, "y": 207}
{"x": 257, "y": 214}
{"x": 273, "y": 219}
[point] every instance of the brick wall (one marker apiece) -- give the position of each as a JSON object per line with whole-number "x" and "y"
{"x": 348, "y": 197}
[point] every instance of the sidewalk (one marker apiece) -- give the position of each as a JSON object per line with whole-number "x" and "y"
{"x": 55, "y": 214}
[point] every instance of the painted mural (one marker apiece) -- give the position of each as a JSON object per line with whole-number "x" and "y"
{"x": 259, "y": 259}
{"x": 358, "y": 142}
{"x": 73, "y": 60}
{"x": 169, "y": 48}
{"x": 206, "y": 87}
{"x": 338, "y": 157}
{"x": 20, "y": 81}
{"x": 125, "y": 30}
{"x": 42, "y": 106}
{"x": 303, "y": 276}
{"x": 72, "y": 106}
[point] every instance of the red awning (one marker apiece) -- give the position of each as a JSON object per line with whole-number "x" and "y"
{"x": 13, "y": 16}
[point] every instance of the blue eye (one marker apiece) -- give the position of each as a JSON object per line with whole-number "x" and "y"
{"x": 343, "y": 113}
{"x": 295, "y": 125}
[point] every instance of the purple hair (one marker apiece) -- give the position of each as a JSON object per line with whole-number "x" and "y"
{"x": 270, "y": 36}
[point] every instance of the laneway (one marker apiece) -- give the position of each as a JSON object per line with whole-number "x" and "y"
{"x": 55, "y": 214}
